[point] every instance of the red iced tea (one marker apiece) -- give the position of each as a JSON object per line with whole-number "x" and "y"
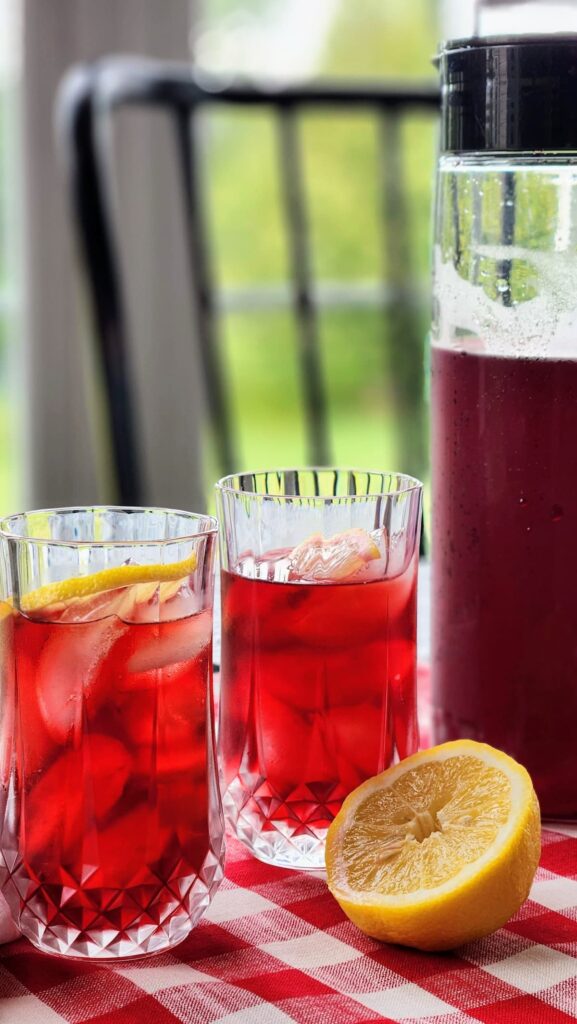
{"x": 318, "y": 693}
{"x": 105, "y": 841}
{"x": 505, "y": 561}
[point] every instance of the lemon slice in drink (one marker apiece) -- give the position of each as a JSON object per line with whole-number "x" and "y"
{"x": 334, "y": 558}
{"x": 437, "y": 850}
{"x": 78, "y": 587}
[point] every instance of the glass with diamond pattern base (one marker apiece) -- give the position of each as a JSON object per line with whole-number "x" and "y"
{"x": 319, "y": 576}
{"x": 111, "y": 821}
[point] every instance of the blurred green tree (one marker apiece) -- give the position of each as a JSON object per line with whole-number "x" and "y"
{"x": 367, "y": 379}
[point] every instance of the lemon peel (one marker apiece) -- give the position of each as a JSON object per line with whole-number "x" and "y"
{"x": 333, "y": 558}
{"x": 107, "y": 579}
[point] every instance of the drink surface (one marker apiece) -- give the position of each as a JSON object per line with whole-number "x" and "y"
{"x": 318, "y": 694}
{"x": 505, "y": 561}
{"x": 111, "y": 750}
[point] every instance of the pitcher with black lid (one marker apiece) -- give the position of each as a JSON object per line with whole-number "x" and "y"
{"x": 504, "y": 407}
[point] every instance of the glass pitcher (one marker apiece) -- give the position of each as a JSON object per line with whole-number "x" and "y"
{"x": 504, "y": 407}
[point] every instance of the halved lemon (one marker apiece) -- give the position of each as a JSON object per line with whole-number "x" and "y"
{"x": 438, "y": 850}
{"x": 78, "y": 587}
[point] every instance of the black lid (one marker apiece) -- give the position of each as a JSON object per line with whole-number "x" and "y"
{"x": 509, "y": 94}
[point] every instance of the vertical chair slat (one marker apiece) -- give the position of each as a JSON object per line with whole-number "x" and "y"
{"x": 507, "y": 233}
{"x": 202, "y": 287}
{"x": 296, "y": 225}
{"x": 406, "y": 334}
{"x": 100, "y": 266}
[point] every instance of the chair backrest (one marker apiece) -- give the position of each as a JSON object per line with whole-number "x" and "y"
{"x": 88, "y": 98}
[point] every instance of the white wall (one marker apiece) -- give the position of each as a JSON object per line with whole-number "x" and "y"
{"x": 457, "y": 18}
{"x": 67, "y": 454}
{"x": 504, "y": 17}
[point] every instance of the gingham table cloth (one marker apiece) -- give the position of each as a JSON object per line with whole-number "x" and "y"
{"x": 275, "y": 948}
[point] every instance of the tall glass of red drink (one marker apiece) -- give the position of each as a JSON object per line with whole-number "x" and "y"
{"x": 111, "y": 841}
{"x": 319, "y": 576}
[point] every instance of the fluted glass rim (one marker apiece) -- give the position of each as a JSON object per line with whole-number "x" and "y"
{"x": 210, "y": 524}
{"x": 411, "y": 483}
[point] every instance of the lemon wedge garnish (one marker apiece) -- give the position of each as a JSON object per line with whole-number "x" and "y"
{"x": 6, "y": 610}
{"x": 334, "y": 558}
{"x": 438, "y": 850}
{"x": 107, "y": 579}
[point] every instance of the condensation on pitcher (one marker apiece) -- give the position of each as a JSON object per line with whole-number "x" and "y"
{"x": 542, "y": 326}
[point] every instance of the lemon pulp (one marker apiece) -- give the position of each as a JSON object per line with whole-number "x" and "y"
{"x": 434, "y": 821}
{"x": 438, "y": 850}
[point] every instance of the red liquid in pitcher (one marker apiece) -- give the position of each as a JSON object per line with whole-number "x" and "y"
{"x": 505, "y": 561}
{"x": 318, "y": 693}
{"x": 111, "y": 762}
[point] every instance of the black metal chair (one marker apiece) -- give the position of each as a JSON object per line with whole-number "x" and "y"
{"x": 91, "y": 94}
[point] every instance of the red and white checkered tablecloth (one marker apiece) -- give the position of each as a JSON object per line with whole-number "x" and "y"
{"x": 275, "y": 948}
